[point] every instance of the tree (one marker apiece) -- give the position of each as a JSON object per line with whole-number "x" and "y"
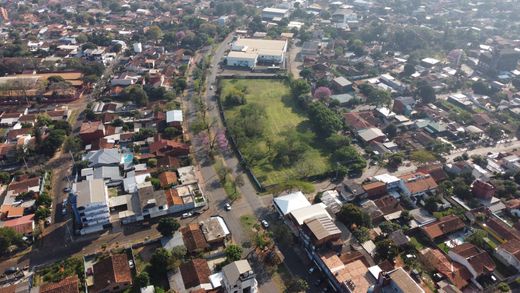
{"x": 494, "y": 131}
{"x": 374, "y": 95}
{"x": 8, "y": 237}
{"x": 349, "y": 157}
{"x": 52, "y": 143}
{"x": 299, "y": 87}
{"x": 42, "y": 213}
{"x": 306, "y": 73}
{"x": 477, "y": 238}
{"x": 422, "y": 156}
{"x": 503, "y": 287}
{"x": 409, "y": 69}
{"x": 426, "y": 92}
{"x": 322, "y": 93}
{"x": 142, "y": 280}
{"x": 154, "y": 33}
{"x": 233, "y": 252}
{"x": 390, "y": 131}
{"x": 324, "y": 119}
{"x": 72, "y": 144}
{"x": 44, "y": 200}
{"x": 389, "y": 227}
{"x": 235, "y": 97}
{"x": 4, "y": 177}
{"x": 152, "y": 163}
{"x": 160, "y": 261}
{"x": 167, "y": 226}
{"x": 395, "y": 160}
{"x": 362, "y": 234}
{"x": 297, "y": 285}
{"x": 137, "y": 95}
{"x": 386, "y": 249}
{"x": 336, "y": 141}
{"x": 351, "y": 214}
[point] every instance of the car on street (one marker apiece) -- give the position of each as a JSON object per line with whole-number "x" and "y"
{"x": 265, "y": 224}
{"x": 211, "y": 88}
{"x": 186, "y": 215}
{"x": 11, "y": 270}
{"x": 66, "y": 189}
{"x": 131, "y": 263}
{"x": 227, "y": 206}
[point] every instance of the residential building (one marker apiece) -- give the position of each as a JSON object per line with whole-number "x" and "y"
{"x": 453, "y": 271}
{"x": 91, "y": 131}
{"x": 215, "y": 230}
{"x": 174, "y": 118}
{"x": 89, "y": 201}
{"x": 285, "y": 204}
{"x": 153, "y": 203}
{"x": 444, "y": 226}
{"x": 353, "y": 276}
{"x": 419, "y": 185}
{"x": 509, "y": 253}
{"x": 320, "y": 230}
{"x": 67, "y": 285}
{"x": 103, "y": 157}
{"x": 341, "y": 84}
{"x": 238, "y": 277}
{"x": 193, "y": 238}
{"x": 398, "y": 280}
{"x": 475, "y": 260}
{"x": 371, "y": 134}
{"x": 195, "y": 275}
{"x": 111, "y": 274}
{"x": 482, "y": 190}
{"x": 270, "y": 13}
{"x": 23, "y": 225}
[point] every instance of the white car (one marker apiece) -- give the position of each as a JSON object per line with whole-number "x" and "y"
{"x": 227, "y": 206}
{"x": 265, "y": 224}
{"x": 131, "y": 263}
{"x": 186, "y": 215}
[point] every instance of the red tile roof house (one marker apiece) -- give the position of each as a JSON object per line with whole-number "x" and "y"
{"x": 91, "y": 131}
{"x": 444, "y": 226}
{"x": 111, "y": 274}
{"x": 483, "y": 190}
{"x": 419, "y": 184}
{"x": 67, "y": 285}
{"x": 162, "y": 147}
{"x": 475, "y": 260}
{"x": 455, "y": 272}
{"x": 195, "y": 274}
{"x": 509, "y": 253}
{"x": 23, "y": 225}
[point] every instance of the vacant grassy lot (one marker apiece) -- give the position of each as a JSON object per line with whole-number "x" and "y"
{"x": 282, "y": 114}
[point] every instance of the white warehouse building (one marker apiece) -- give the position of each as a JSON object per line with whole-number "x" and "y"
{"x": 270, "y": 13}
{"x": 249, "y": 52}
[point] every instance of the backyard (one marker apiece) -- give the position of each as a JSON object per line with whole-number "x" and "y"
{"x": 282, "y": 115}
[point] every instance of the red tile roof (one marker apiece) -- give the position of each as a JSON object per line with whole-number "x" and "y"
{"x": 419, "y": 182}
{"x": 501, "y": 229}
{"x": 513, "y": 247}
{"x": 67, "y": 285}
{"x": 455, "y": 272}
{"x": 24, "y": 184}
{"x": 193, "y": 237}
{"x": 22, "y": 225}
{"x": 91, "y": 127}
{"x": 167, "y": 178}
{"x": 443, "y": 226}
{"x": 113, "y": 269}
{"x": 481, "y": 262}
{"x": 195, "y": 272}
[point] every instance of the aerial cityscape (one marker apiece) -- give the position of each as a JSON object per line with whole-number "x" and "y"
{"x": 243, "y": 146}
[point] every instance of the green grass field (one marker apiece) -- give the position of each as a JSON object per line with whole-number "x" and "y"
{"x": 282, "y": 114}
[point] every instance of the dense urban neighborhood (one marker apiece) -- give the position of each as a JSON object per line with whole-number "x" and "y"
{"x": 244, "y": 146}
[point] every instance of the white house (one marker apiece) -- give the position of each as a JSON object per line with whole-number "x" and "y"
{"x": 238, "y": 277}
{"x": 509, "y": 253}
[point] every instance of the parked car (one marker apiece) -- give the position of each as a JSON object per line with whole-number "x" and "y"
{"x": 186, "y": 215}
{"x": 265, "y": 224}
{"x": 11, "y": 270}
{"x": 67, "y": 189}
{"x": 227, "y": 206}
{"x": 131, "y": 263}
